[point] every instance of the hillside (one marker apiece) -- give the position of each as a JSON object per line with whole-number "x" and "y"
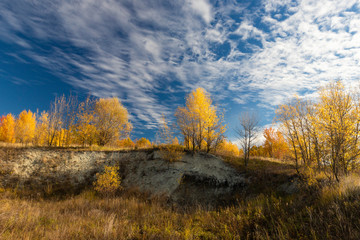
{"x": 195, "y": 178}
{"x": 49, "y": 196}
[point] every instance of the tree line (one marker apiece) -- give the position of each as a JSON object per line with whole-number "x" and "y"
{"x": 319, "y": 135}
{"x": 69, "y": 122}
{"x": 322, "y": 135}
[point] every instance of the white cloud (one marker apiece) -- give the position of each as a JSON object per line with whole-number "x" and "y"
{"x": 247, "y": 30}
{"x": 202, "y": 7}
{"x": 310, "y": 46}
{"x": 136, "y": 49}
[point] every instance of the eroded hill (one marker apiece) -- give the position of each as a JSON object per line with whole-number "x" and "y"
{"x": 196, "y": 177}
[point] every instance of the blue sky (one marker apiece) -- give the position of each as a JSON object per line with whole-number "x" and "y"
{"x": 249, "y": 55}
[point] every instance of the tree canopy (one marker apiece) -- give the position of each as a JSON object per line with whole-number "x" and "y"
{"x": 200, "y": 122}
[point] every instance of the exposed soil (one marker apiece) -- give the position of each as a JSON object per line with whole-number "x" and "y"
{"x": 201, "y": 177}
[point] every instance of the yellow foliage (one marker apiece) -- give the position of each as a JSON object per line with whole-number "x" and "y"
{"x": 108, "y": 182}
{"x": 275, "y": 145}
{"x": 25, "y": 127}
{"x": 227, "y": 148}
{"x": 257, "y": 151}
{"x": 125, "y": 143}
{"x": 199, "y": 121}
{"x": 143, "y": 143}
{"x": 324, "y": 135}
{"x": 175, "y": 141}
{"x": 7, "y": 129}
{"x": 41, "y": 132}
{"x": 171, "y": 153}
{"x": 337, "y": 122}
{"x": 111, "y": 120}
{"x": 84, "y": 128}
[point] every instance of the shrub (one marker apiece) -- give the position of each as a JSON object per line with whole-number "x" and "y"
{"x": 143, "y": 143}
{"x": 171, "y": 153}
{"x": 108, "y": 182}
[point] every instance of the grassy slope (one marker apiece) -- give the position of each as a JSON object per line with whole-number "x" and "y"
{"x": 329, "y": 213}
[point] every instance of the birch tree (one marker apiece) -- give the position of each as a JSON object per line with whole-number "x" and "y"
{"x": 247, "y": 132}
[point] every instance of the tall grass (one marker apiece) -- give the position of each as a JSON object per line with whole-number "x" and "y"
{"x": 330, "y": 213}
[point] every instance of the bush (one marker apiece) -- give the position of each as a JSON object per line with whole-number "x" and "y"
{"x": 108, "y": 182}
{"x": 171, "y": 153}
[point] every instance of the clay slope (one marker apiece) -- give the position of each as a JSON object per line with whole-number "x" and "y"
{"x": 195, "y": 178}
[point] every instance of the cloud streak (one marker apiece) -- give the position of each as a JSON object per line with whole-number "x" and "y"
{"x": 243, "y": 53}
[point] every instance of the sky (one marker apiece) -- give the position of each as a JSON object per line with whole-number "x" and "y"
{"x": 249, "y": 55}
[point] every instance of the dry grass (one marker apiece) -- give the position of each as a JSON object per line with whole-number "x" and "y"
{"x": 171, "y": 153}
{"x": 87, "y": 216}
{"x": 330, "y": 212}
{"x": 14, "y": 145}
{"x": 71, "y": 147}
{"x": 262, "y": 166}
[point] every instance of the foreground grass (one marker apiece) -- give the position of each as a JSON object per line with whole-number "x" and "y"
{"x": 330, "y": 213}
{"x": 326, "y": 212}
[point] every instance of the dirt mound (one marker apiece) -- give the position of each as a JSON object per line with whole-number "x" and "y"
{"x": 195, "y": 178}
{"x": 199, "y": 177}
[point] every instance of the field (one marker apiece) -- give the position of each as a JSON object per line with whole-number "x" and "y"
{"x": 313, "y": 211}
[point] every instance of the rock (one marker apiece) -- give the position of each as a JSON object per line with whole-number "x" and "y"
{"x": 199, "y": 177}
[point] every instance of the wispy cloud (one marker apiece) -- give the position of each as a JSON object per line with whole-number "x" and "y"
{"x": 309, "y": 43}
{"x": 252, "y": 52}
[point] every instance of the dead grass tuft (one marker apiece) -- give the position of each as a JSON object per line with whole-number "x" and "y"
{"x": 88, "y": 216}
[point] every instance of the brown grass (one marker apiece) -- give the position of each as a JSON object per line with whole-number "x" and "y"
{"x": 328, "y": 212}
{"x": 261, "y": 164}
{"x": 331, "y": 213}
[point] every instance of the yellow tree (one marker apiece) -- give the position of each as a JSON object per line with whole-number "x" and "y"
{"x": 41, "y": 132}
{"x": 187, "y": 126}
{"x": 111, "y": 120}
{"x": 257, "y": 151}
{"x": 175, "y": 141}
{"x": 338, "y": 124}
{"x": 326, "y": 133}
{"x": 199, "y": 121}
{"x": 143, "y": 143}
{"x": 85, "y": 129}
{"x": 7, "y": 129}
{"x": 275, "y": 144}
{"x": 126, "y": 143}
{"x": 199, "y": 103}
{"x": 227, "y": 148}
{"x": 296, "y": 125}
{"x": 25, "y": 127}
